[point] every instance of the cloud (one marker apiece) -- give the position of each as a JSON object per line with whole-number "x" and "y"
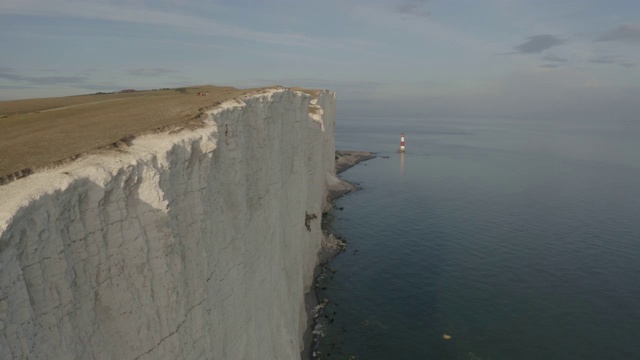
{"x": 347, "y": 89}
{"x": 14, "y": 87}
{"x": 623, "y": 33}
{"x": 102, "y": 86}
{"x": 413, "y": 7}
{"x": 605, "y": 59}
{"x": 55, "y": 80}
{"x": 549, "y": 66}
{"x": 40, "y": 80}
{"x": 138, "y": 14}
{"x": 612, "y": 59}
{"x": 314, "y": 83}
{"x": 554, "y": 58}
{"x": 54, "y": 71}
{"x": 538, "y": 43}
{"x": 150, "y": 71}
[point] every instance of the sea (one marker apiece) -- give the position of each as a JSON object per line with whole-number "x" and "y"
{"x": 489, "y": 238}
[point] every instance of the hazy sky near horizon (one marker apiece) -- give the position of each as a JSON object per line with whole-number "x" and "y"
{"x": 531, "y": 58}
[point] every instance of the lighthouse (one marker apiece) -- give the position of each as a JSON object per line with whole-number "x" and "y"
{"x": 402, "y": 142}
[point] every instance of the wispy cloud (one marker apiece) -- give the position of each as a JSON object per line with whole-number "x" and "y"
{"x": 9, "y": 74}
{"x": 550, "y": 66}
{"x": 554, "y": 58}
{"x": 115, "y": 11}
{"x": 14, "y": 87}
{"x": 347, "y": 89}
{"x": 538, "y": 43}
{"x": 413, "y": 7}
{"x": 317, "y": 83}
{"x": 613, "y": 60}
{"x": 623, "y": 33}
{"x": 150, "y": 71}
{"x": 51, "y": 71}
{"x": 101, "y": 86}
{"x": 604, "y": 59}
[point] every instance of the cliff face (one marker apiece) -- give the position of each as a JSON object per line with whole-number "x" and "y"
{"x": 194, "y": 244}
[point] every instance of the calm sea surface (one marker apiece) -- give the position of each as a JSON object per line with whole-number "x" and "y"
{"x": 519, "y": 239}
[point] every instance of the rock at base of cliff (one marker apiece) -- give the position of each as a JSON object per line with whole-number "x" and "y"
{"x": 337, "y": 188}
{"x": 347, "y": 159}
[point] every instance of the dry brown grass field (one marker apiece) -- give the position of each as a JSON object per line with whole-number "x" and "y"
{"x": 35, "y": 133}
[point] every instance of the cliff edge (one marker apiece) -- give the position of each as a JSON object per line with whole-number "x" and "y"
{"x": 189, "y": 244}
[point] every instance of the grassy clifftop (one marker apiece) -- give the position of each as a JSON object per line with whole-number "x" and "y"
{"x": 38, "y": 132}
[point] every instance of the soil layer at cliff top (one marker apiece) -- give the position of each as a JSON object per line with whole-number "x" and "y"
{"x": 35, "y": 133}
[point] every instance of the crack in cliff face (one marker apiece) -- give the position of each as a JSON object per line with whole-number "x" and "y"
{"x": 174, "y": 332}
{"x": 226, "y": 275}
{"x": 101, "y": 257}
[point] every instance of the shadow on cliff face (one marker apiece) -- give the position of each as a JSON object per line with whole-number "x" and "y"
{"x": 95, "y": 271}
{"x": 80, "y": 265}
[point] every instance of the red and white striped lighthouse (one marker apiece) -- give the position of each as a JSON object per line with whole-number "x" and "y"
{"x": 402, "y": 142}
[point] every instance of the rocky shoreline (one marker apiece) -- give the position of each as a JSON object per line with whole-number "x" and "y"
{"x": 346, "y": 159}
{"x": 331, "y": 244}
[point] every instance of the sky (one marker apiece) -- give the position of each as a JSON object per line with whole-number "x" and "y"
{"x": 510, "y": 58}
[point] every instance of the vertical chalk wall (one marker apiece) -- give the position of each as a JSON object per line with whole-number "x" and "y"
{"x": 192, "y": 244}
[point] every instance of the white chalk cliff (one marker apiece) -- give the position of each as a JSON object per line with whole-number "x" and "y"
{"x": 190, "y": 244}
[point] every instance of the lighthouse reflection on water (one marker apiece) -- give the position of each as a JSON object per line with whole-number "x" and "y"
{"x": 401, "y": 151}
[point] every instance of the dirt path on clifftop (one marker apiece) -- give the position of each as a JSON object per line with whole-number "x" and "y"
{"x": 36, "y": 133}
